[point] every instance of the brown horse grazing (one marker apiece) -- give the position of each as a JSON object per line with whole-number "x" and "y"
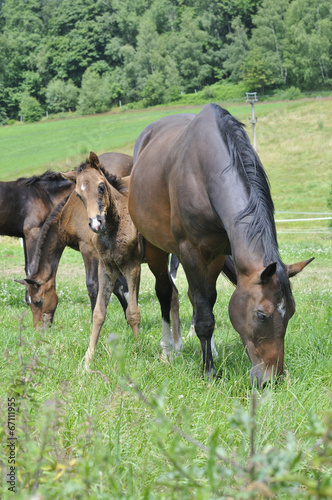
{"x": 199, "y": 190}
{"x": 105, "y": 198}
{"x": 67, "y": 225}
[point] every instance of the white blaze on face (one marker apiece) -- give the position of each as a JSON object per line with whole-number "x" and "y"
{"x": 83, "y": 186}
{"x": 281, "y": 308}
{"x": 30, "y": 300}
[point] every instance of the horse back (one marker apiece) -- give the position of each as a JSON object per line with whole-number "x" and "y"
{"x": 117, "y": 163}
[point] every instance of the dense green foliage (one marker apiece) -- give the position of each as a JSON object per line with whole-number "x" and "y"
{"x": 154, "y": 50}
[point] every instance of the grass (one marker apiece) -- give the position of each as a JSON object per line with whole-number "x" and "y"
{"x": 137, "y": 427}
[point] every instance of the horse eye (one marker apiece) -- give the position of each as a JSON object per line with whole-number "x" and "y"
{"x": 38, "y": 302}
{"x": 261, "y": 316}
{"x": 101, "y": 188}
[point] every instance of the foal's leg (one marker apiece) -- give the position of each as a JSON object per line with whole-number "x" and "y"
{"x": 132, "y": 272}
{"x": 91, "y": 272}
{"x": 168, "y": 298}
{"x": 106, "y": 280}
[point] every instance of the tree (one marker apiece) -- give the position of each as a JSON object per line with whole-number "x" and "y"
{"x": 98, "y": 93}
{"x": 269, "y": 35}
{"x": 309, "y": 35}
{"x": 30, "y": 108}
{"x": 61, "y": 96}
{"x": 256, "y": 72}
{"x": 235, "y": 53}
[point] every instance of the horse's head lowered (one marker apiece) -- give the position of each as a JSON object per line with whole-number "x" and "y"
{"x": 92, "y": 188}
{"x": 259, "y": 310}
{"x": 42, "y": 299}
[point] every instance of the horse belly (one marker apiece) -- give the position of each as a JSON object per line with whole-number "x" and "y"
{"x": 149, "y": 209}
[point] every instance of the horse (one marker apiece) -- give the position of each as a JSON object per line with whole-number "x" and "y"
{"x": 67, "y": 225}
{"x": 26, "y": 203}
{"x": 105, "y": 199}
{"x": 199, "y": 190}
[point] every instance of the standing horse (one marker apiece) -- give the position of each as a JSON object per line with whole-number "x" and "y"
{"x": 199, "y": 190}
{"x": 105, "y": 198}
{"x": 67, "y": 225}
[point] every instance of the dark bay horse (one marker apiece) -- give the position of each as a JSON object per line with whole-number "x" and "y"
{"x": 198, "y": 190}
{"x": 105, "y": 199}
{"x": 26, "y": 203}
{"x": 67, "y": 225}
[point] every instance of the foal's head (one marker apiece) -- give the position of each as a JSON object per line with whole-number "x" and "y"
{"x": 259, "y": 310}
{"x": 43, "y": 300}
{"x": 93, "y": 188}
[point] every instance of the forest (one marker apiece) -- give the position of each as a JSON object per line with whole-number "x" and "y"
{"x": 87, "y": 55}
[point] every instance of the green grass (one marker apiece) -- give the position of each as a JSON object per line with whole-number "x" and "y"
{"x": 92, "y": 435}
{"x": 114, "y": 445}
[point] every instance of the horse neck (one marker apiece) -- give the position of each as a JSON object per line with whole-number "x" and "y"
{"x": 57, "y": 192}
{"x": 48, "y": 252}
{"x": 115, "y": 207}
{"x": 230, "y": 196}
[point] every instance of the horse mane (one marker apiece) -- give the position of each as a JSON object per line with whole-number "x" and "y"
{"x": 260, "y": 207}
{"x": 53, "y": 217}
{"x": 45, "y": 177}
{"x": 114, "y": 180}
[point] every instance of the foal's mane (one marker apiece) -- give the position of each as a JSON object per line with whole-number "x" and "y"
{"x": 260, "y": 206}
{"x": 114, "y": 180}
{"x": 51, "y": 219}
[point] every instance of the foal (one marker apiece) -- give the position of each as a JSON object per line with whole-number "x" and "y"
{"x": 116, "y": 239}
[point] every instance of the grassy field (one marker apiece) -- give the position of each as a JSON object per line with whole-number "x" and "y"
{"x": 137, "y": 427}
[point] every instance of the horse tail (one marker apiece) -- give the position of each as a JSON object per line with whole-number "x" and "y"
{"x": 229, "y": 270}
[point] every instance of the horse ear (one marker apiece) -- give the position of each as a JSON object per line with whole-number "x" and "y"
{"x": 28, "y": 281}
{"x": 94, "y": 160}
{"x": 268, "y": 272}
{"x": 70, "y": 176}
{"x": 294, "y": 269}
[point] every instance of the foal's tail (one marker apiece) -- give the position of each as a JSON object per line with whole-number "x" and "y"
{"x": 229, "y": 270}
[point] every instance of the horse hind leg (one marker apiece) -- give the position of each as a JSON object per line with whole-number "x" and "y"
{"x": 121, "y": 292}
{"x": 168, "y": 298}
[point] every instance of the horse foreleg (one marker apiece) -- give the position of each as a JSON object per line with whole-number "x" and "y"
{"x": 106, "y": 280}
{"x": 196, "y": 271}
{"x": 132, "y": 273}
{"x": 91, "y": 272}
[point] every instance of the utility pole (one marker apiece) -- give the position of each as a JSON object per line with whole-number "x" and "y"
{"x": 251, "y": 97}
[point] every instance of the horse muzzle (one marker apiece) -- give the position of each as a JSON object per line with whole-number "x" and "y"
{"x": 261, "y": 375}
{"x": 97, "y": 224}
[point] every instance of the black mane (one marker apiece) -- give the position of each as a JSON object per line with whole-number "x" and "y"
{"x": 114, "y": 180}
{"x": 48, "y": 176}
{"x": 260, "y": 208}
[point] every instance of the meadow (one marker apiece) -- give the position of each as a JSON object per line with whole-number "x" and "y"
{"x": 137, "y": 427}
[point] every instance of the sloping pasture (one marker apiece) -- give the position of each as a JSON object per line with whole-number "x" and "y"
{"x": 137, "y": 427}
